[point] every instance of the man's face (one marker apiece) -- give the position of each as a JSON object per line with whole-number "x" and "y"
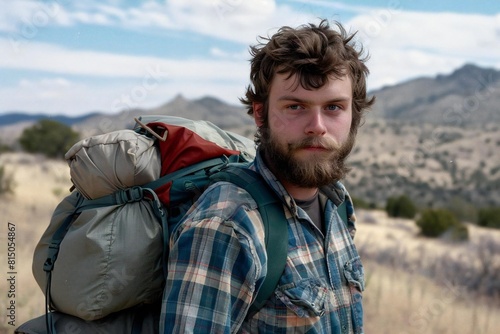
{"x": 307, "y": 136}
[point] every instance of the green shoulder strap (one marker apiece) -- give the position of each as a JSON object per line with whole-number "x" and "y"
{"x": 275, "y": 226}
{"x": 342, "y": 211}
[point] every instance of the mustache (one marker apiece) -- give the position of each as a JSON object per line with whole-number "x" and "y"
{"x": 324, "y": 143}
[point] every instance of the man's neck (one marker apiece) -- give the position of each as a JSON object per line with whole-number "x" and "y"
{"x": 297, "y": 192}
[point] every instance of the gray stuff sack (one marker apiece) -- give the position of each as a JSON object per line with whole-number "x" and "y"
{"x": 110, "y": 258}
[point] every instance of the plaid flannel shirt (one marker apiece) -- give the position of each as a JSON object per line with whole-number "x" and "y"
{"x": 218, "y": 261}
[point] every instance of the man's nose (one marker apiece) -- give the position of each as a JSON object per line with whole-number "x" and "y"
{"x": 316, "y": 124}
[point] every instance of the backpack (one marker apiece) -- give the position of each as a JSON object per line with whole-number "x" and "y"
{"x": 100, "y": 261}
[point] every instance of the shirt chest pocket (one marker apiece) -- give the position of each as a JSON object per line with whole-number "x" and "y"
{"x": 354, "y": 274}
{"x": 306, "y": 298}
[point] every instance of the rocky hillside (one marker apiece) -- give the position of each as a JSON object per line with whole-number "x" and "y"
{"x": 434, "y": 165}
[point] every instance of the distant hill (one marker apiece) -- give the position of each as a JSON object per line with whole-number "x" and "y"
{"x": 468, "y": 96}
{"x": 207, "y": 108}
{"x": 18, "y": 117}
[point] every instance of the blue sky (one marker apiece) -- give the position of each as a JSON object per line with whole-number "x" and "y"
{"x": 73, "y": 57}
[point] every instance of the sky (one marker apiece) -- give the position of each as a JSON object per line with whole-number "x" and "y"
{"x": 75, "y": 57}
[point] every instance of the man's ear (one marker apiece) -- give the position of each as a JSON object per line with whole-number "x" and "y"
{"x": 258, "y": 113}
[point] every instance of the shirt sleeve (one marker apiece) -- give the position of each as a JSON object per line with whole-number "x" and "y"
{"x": 213, "y": 270}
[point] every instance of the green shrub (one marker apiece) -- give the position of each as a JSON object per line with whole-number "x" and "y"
{"x": 48, "y": 137}
{"x": 400, "y": 206}
{"x": 436, "y": 222}
{"x": 489, "y": 217}
{"x": 360, "y": 203}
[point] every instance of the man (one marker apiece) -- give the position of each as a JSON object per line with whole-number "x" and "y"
{"x": 307, "y": 96}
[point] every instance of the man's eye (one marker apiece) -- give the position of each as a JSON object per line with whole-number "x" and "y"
{"x": 333, "y": 107}
{"x": 294, "y": 107}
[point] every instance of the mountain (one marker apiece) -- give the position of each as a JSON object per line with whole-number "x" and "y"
{"x": 468, "y": 96}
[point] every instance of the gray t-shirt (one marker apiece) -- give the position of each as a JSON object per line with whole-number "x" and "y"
{"x": 313, "y": 208}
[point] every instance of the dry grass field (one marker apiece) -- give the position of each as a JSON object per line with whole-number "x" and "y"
{"x": 409, "y": 290}
{"x": 39, "y": 185}
{"x": 421, "y": 285}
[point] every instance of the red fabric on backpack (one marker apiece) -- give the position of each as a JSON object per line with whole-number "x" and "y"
{"x": 183, "y": 148}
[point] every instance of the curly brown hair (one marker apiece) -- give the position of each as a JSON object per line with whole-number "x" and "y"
{"x": 314, "y": 54}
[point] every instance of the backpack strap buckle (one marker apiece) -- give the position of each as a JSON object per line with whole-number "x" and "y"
{"x": 130, "y": 195}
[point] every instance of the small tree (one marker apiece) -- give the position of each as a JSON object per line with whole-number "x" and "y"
{"x": 401, "y": 206}
{"x": 360, "y": 203}
{"x": 48, "y": 137}
{"x": 436, "y": 222}
{"x": 489, "y": 217}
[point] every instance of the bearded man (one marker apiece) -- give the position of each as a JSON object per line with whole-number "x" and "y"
{"x": 307, "y": 97}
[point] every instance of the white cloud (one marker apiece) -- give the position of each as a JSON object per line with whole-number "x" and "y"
{"x": 56, "y": 59}
{"x": 404, "y": 45}
{"x": 92, "y": 18}
{"x": 342, "y": 6}
{"x": 59, "y": 93}
{"x": 223, "y": 54}
{"x": 48, "y": 89}
{"x": 447, "y": 34}
{"x": 24, "y": 18}
{"x": 237, "y": 20}
{"x": 19, "y": 17}
{"x": 52, "y": 83}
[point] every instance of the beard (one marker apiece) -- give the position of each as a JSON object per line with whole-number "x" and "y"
{"x": 312, "y": 171}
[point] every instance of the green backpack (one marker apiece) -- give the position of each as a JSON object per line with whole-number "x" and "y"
{"x": 95, "y": 218}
